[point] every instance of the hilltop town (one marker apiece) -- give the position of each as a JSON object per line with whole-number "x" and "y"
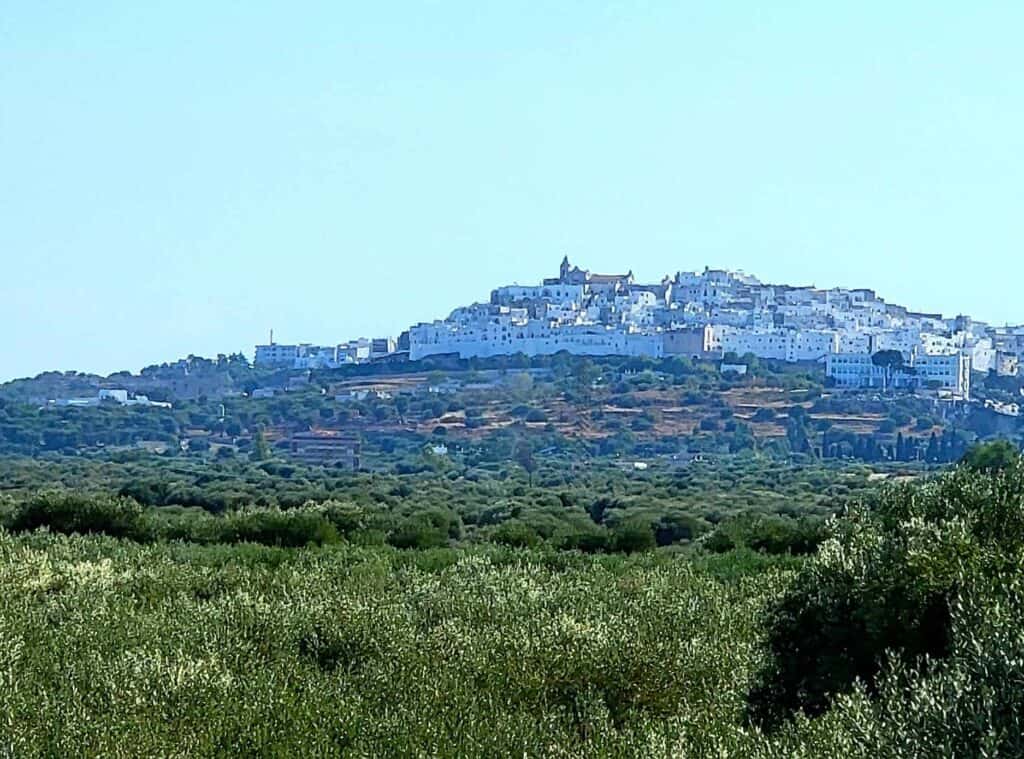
{"x": 861, "y": 340}
{"x": 701, "y": 363}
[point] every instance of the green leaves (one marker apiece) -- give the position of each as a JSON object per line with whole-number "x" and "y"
{"x": 903, "y": 601}
{"x": 115, "y": 648}
{"x": 902, "y": 636}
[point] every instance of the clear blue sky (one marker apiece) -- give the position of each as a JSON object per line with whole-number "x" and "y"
{"x": 179, "y": 177}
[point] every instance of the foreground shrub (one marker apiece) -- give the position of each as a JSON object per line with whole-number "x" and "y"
{"x": 887, "y": 591}
{"x": 116, "y": 649}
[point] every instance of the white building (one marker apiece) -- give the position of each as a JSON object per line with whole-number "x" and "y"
{"x": 811, "y": 345}
{"x": 506, "y": 335}
{"x": 382, "y": 346}
{"x": 853, "y": 342}
{"x": 936, "y": 345}
{"x": 853, "y": 370}
{"x": 739, "y": 369}
{"x": 354, "y": 351}
{"x": 948, "y": 371}
{"x": 316, "y": 357}
{"x": 951, "y": 372}
{"x": 557, "y": 293}
{"x": 771, "y": 344}
{"x": 275, "y": 354}
{"x": 905, "y": 341}
{"x": 118, "y": 396}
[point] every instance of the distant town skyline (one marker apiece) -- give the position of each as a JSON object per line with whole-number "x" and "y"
{"x": 708, "y": 315}
{"x": 182, "y": 178}
{"x": 368, "y": 340}
{"x": 387, "y": 325}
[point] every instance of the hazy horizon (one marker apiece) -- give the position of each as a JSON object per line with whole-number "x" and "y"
{"x": 179, "y": 179}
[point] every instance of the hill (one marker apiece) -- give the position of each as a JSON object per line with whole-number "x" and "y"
{"x": 641, "y": 408}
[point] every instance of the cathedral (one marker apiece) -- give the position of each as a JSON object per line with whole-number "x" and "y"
{"x": 574, "y": 275}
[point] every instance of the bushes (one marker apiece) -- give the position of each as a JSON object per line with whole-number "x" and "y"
{"x": 676, "y": 527}
{"x": 516, "y": 534}
{"x": 291, "y": 528}
{"x": 899, "y": 417}
{"x": 8, "y": 508}
{"x": 121, "y": 649}
{"x": 707, "y": 424}
{"x": 367, "y": 507}
{"x": 992, "y": 457}
{"x": 428, "y": 529}
{"x": 633, "y": 536}
{"x": 847, "y": 609}
{"x": 634, "y": 525}
{"x": 416, "y": 532}
{"x": 903, "y": 636}
{"x": 288, "y": 529}
{"x": 120, "y": 517}
{"x": 475, "y": 484}
{"x": 585, "y": 537}
{"x": 766, "y": 533}
{"x": 890, "y": 591}
{"x": 924, "y": 423}
{"x": 85, "y": 514}
{"x": 642, "y": 423}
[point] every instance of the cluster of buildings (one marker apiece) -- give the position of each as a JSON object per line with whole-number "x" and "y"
{"x": 326, "y": 448}
{"x": 118, "y": 396}
{"x": 713, "y": 313}
{"x": 710, "y": 314}
{"x": 309, "y": 356}
{"x": 944, "y": 371}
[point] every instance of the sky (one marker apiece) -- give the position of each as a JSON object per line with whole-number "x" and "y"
{"x": 180, "y": 177}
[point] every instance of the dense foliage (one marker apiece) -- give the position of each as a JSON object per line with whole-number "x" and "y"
{"x": 116, "y": 649}
{"x": 916, "y": 603}
{"x": 902, "y": 634}
{"x": 751, "y": 501}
